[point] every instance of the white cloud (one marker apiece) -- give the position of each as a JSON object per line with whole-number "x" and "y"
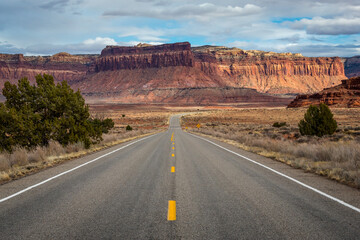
{"x": 324, "y": 50}
{"x": 92, "y": 46}
{"x": 201, "y": 12}
{"x": 144, "y": 34}
{"x": 134, "y": 43}
{"x": 323, "y": 26}
{"x": 243, "y": 45}
{"x": 100, "y": 41}
{"x": 50, "y": 26}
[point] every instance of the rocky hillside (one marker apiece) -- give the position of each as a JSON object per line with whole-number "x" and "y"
{"x": 269, "y": 72}
{"x": 62, "y": 66}
{"x": 179, "y": 73}
{"x": 347, "y": 94}
{"x": 168, "y": 55}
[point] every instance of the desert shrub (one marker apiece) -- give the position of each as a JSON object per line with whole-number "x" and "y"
{"x": 75, "y": 147}
{"x": 19, "y": 157}
{"x": 279, "y": 124}
{"x": 110, "y": 138}
{"x": 37, "y": 155}
{"x": 4, "y": 162}
{"x": 129, "y": 128}
{"x": 318, "y": 121}
{"x": 54, "y": 149}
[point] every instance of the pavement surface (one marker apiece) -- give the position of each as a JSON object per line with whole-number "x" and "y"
{"x": 175, "y": 185}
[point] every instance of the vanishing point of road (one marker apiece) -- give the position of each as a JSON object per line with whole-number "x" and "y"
{"x": 175, "y": 185}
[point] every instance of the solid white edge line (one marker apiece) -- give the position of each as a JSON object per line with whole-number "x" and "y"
{"x": 285, "y": 176}
{"x": 63, "y": 173}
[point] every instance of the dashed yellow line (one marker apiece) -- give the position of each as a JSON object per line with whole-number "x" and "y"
{"x": 172, "y": 204}
{"x": 172, "y": 211}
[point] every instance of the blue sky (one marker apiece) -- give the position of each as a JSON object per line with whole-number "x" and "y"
{"x": 313, "y": 28}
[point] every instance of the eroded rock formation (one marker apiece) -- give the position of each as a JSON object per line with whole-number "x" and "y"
{"x": 62, "y": 66}
{"x": 166, "y": 55}
{"x": 269, "y": 72}
{"x": 347, "y": 94}
{"x": 161, "y": 73}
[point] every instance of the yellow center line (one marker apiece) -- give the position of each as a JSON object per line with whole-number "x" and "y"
{"x": 173, "y": 155}
{"x": 173, "y": 148}
{"x": 173, "y": 143}
{"x": 172, "y": 169}
{"x": 172, "y": 211}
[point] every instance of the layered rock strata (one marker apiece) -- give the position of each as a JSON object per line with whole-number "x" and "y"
{"x": 62, "y": 66}
{"x": 269, "y": 72}
{"x": 347, "y": 94}
{"x": 167, "y": 55}
{"x": 153, "y": 73}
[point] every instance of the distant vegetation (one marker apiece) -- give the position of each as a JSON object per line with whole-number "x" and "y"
{"x": 34, "y": 115}
{"x": 279, "y": 124}
{"x": 336, "y": 156}
{"x": 318, "y": 121}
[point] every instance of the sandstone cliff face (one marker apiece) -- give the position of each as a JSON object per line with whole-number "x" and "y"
{"x": 167, "y": 55}
{"x": 269, "y": 72}
{"x": 347, "y": 94}
{"x": 145, "y": 73}
{"x": 62, "y": 66}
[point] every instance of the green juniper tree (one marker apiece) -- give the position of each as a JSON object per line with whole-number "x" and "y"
{"x": 34, "y": 115}
{"x": 318, "y": 121}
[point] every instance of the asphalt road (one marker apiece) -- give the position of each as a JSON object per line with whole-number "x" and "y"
{"x": 217, "y": 194}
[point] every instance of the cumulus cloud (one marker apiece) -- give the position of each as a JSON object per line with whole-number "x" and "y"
{"x": 144, "y": 34}
{"x": 6, "y": 47}
{"x": 325, "y": 50}
{"x": 200, "y": 12}
{"x": 243, "y": 45}
{"x": 324, "y": 26}
{"x": 50, "y": 26}
{"x": 89, "y": 46}
{"x": 93, "y": 46}
{"x": 100, "y": 41}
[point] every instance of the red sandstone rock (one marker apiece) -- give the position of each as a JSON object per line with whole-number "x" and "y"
{"x": 167, "y": 55}
{"x": 62, "y": 66}
{"x": 153, "y": 70}
{"x": 347, "y": 94}
{"x": 269, "y": 72}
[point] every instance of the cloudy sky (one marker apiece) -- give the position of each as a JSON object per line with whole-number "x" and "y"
{"x": 310, "y": 27}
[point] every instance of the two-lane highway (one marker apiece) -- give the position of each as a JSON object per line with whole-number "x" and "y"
{"x": 175, "y": 186}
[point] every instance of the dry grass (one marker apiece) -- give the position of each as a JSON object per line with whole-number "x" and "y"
{"x": 144, "y": 120}
{"x": 139, "y": 117}
{"x": 23, "y": 162}
{"x": 336, "y": 157}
